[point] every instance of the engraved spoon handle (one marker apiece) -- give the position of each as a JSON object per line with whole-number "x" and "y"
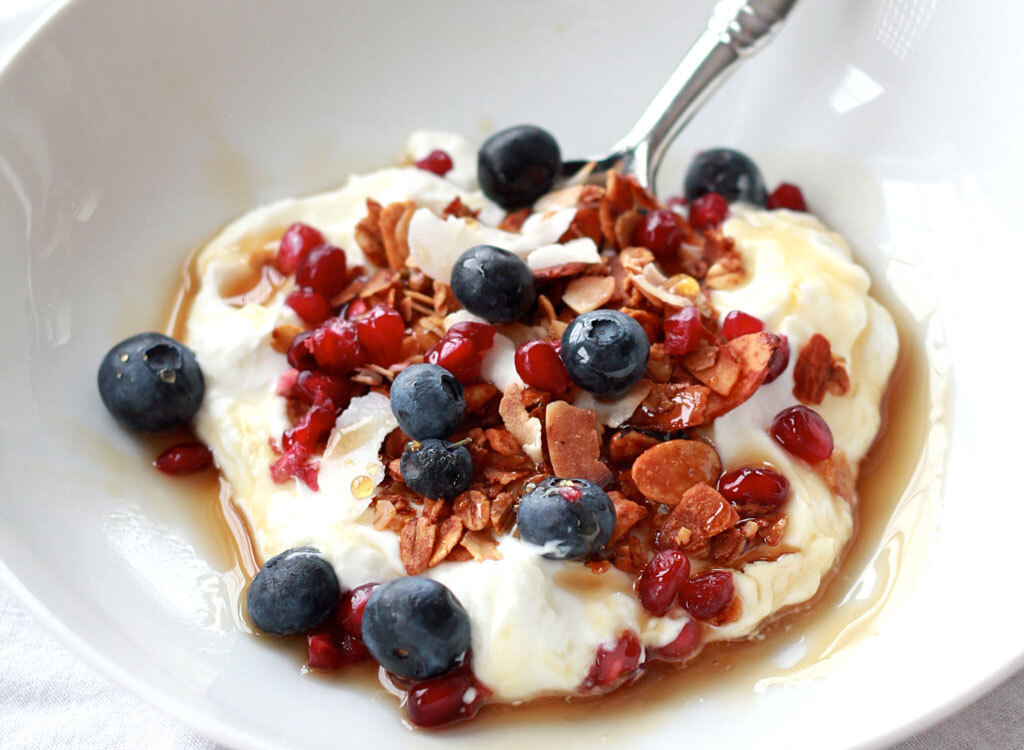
{"x": 736, "y": 30}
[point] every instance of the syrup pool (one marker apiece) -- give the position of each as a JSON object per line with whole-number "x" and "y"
{"x": 899, "y": 489}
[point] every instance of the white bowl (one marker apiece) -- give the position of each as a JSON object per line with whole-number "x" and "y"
{"x": 131, "y": 131}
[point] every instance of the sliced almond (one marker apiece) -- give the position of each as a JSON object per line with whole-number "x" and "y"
{"x": 587, "y": 293}
{"x": 755, "y": 352}
{"x": 574, "y": 443}
{"x": 721, "y": 375}
{"x": 627, "y": 515}
{"x": 702, "y": 512}
{"x": 667, "y": 471}
{"x": 524, "y": 428}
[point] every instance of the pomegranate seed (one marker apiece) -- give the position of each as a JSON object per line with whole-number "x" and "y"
{"x": 660, "y": 581}
{"x": 309, "y": 305}
{"x": 299, "y": 355}
{"x": 458, "y": 356}
{"x": 323, "y": 652}
{"x": 660, "y": 232}
{"x": 738, "y": 323}
{"x": 708, "y": 211}
{"x": 571, "y": 494}
{"x": 707, "y": 595}
{"x": 293, "y": 464}
{"x": 381, "y": 331}
{"x": 481, "y": 334}
{"x": 616, "y": 664}
{"x": 323, "y": 270}
{"x": 803, "y": 432}
{"x": 356, "y": 309}
{"x": 754, "y": 484}
{"x": 781, "y": 360}
{"x": 444, "y": 700}
{"x": 311, "y": 386}
{"x": 330, "y": 648}
{"x": 540, "y": 367}
{"x": 683, "y": 647}
{"x": 335, "y": 346}
{"x": 314, "y": 426}
{"x": 788, "y": 196}
{"x": 683, "y": 331}
{"x": 351, "y": 606}
{"x": 437, "y": 161}
{"x": 286, "y": 383}
{"x": 297, "y": 241}
{"x": 184, "y": 458}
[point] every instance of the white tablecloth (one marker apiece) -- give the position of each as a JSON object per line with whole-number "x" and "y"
{"x": 51, "y": 699}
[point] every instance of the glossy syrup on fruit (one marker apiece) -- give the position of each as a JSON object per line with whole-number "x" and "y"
{"x": 899, "y": 484}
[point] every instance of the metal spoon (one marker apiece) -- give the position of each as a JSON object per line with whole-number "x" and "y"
{"x": 736, "y": 30}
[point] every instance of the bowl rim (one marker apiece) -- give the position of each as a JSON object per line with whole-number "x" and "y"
{"x": 227, "y": 733}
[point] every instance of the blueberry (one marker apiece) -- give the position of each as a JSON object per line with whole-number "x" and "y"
{"x": 573, "y": 518}
{"x": 416, "y": 628}
{"x": 436, "y": 468}
{"x": 493, "y": 283}
{"x": 518, "y": 165}
{"x": 605, "y": 352}
{"x": 294, "y": 591}
{"x": 729, "y": 173}
{"x": 151, "y": 382}
{"x": 427, "y": 401}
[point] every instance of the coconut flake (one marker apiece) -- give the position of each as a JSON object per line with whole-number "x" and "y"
{"x": 435, "y": 243}
{"x": 581, "y": 250}
{"x": 615, "y": 412}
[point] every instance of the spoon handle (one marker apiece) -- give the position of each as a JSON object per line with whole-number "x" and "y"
{"x": 736, "y": 30}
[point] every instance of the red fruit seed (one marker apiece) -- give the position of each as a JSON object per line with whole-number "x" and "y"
{"x": 356, "y": 309}
{"x": 683, "y": 331}
{"x": 312, "y": 307}
{"x": 803, "y": 432}
{"x": 313, "y": 427}
{"x": 350, "y": 609}
{"x": 184, "y": 458}
{"x": 297, "y": 241}
{"x": 781, "y": 360}
{"x": 381, "y": 332}
{"x": 660, "y": 232}
{"x": 707, "y": 595}
{"x": 616, "y": 664}
{"x": 683, "y": 647}
{"x": 660, "y": 581}
{"x": 708, "y": 211}
{"x": 458, "y": 356}
{"x": 738, "y": 324}
{"x": 444, "y": 700}
{"x": 481, "y": 334}
{"x": 299, "y": 354}
{"x": 787, "y": 195}
{"x": 332, "y": 389}
{"x": 754, "y": 484}
{"x": 323, "y": 270}
{"x": 335, "y": 346}
{"x": 540, "y": 367}
{"x": 437, "y": 161}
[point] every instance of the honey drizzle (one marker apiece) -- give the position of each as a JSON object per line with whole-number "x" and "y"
{"x": 832, "y": 619}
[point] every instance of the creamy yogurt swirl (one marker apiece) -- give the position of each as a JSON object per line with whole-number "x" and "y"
{"x": 536, "y": 623}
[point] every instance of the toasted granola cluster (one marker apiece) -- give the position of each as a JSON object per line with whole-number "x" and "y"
{"x": 661, "y": 476}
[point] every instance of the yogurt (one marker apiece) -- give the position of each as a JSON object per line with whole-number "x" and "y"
{"x": 536, "y": 623}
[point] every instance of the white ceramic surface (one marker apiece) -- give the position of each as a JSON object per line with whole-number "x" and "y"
{"x": 131, "y": 131}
